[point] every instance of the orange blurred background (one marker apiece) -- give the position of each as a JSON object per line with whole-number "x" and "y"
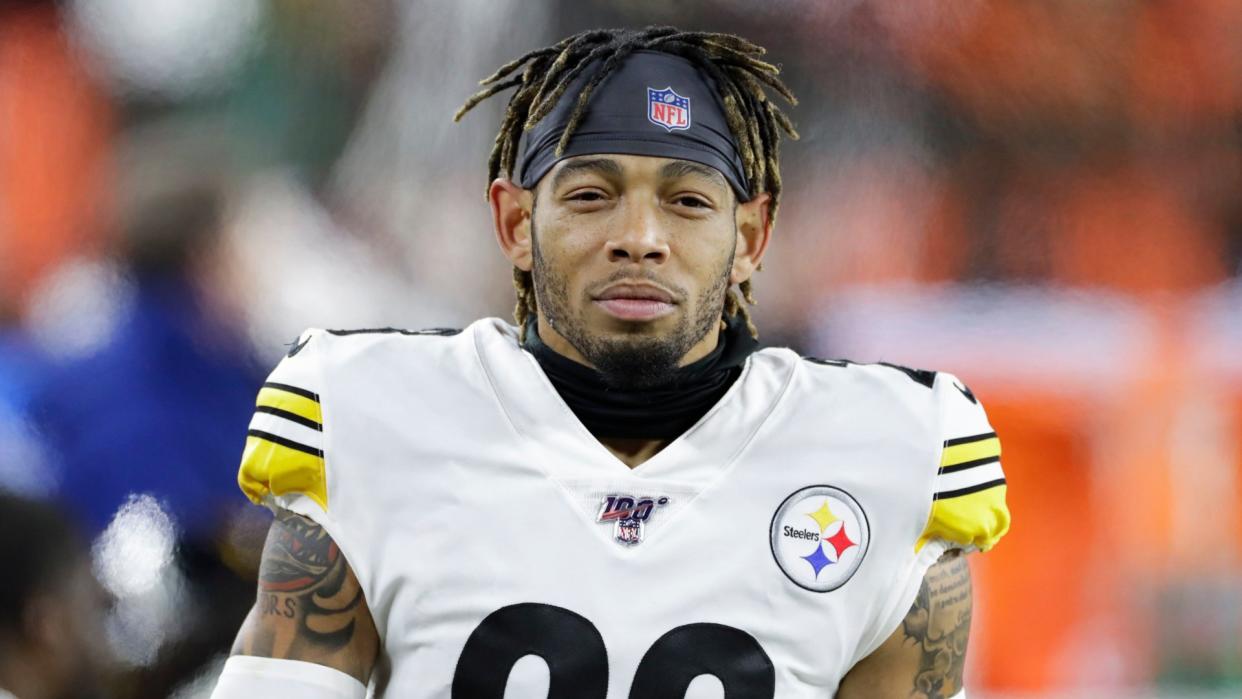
{"x": 1043, "y": 198}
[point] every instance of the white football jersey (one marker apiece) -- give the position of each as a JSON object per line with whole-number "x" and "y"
{"x": 772, "y": 546}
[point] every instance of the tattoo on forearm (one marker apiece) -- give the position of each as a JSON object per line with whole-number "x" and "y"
{"x": 939, "y": 624}
{"x": 276, "y": 606}
{"x": 304, "y": 577}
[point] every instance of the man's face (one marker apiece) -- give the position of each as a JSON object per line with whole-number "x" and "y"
{"x": 632, "y": 259}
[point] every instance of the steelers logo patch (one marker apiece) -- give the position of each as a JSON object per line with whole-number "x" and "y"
{"x": 819, "y": 537}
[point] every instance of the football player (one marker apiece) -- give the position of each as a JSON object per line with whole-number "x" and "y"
{"x": 621, "y": 485}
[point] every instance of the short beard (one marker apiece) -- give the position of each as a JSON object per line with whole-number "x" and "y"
{"x": 628, "y": 364}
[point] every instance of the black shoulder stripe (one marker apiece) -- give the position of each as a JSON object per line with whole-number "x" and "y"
{"x": 969, "y": 464}
{"x": 968, "y": 440}
{"x": 435, "y": 332}
{"x": 292, "y": 389}
{"x": 277, "y": 439}
{"x": 967, "y": 491}
{"x": 291, "y": 417}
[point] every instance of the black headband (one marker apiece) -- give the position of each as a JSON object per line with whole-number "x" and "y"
{"x": 655, "y": 104}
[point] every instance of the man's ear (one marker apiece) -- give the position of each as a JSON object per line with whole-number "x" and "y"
{"x": 754, "y": 231}
{"x": 511, "y": 214}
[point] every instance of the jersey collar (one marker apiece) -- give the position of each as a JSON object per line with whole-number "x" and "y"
{"x": 569, "y": 450}
{"x": 661, "y": 412}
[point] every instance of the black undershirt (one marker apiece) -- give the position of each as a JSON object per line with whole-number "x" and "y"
{"x": 663, "y": 412}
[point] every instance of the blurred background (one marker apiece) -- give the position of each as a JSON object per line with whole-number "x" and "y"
{"x": 1044, "y": 198}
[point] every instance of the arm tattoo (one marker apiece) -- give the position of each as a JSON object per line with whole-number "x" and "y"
{"x": 304, "y": 578}
{"x": 939, "y": 625}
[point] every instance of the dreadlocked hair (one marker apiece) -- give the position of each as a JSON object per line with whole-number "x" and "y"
{"x": 742, "y": 80}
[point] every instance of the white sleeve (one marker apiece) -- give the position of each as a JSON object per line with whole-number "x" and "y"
{"x": 246, "y": 677}
{"x": 968, "y": 503}
{"x": 283, "y": 465}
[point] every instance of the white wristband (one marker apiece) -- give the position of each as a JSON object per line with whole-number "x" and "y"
{"x": 960, "y": 695}
{"x": 246, "y": 676}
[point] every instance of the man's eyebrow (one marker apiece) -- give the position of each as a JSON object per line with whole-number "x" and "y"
{"x": 601, "y": 166}
{"x": 681, "y": 168}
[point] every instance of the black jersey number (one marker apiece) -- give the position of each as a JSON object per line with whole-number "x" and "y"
{"x": 578, "y": 661}
{"x": 921, "y": 377}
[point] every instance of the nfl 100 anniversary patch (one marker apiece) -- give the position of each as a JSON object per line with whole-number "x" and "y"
{"x": 819, "y": 537}
{"x": 628, "y": 515}
{"x": 668, "y": 109}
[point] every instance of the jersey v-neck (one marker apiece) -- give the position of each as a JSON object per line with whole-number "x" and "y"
{"x": 539, "y": 414}
{"x": 658, "y": 413}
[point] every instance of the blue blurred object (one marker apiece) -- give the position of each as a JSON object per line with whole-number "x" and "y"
{"x": 23, "y": 366}
{"x": 161, "y": 409}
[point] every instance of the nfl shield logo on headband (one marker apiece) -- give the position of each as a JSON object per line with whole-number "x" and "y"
{"x": 668, "y": 109}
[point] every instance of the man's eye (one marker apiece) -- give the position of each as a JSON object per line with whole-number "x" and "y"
{"x": 586, "y": 196}
{"x": 692, "y": 202}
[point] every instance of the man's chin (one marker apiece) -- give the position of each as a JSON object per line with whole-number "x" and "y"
{"x": 635, "y": 363}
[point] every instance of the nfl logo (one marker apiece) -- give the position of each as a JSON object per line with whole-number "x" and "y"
{"x": 627, "y": 515}
{"x": 629, "y": 531}
{"x": 668, "y": 109}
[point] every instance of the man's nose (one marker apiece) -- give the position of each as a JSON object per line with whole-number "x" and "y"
{"x": 639, "y": 238}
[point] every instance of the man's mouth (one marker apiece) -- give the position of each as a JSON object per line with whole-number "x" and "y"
{"x": 635, "y": 302}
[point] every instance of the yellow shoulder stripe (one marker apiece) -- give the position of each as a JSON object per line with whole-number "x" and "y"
{"x": 291, "y": 399}
{"x": 967, "y": 449}
{"x": 976, "y": 519}
{"x": 269, "y": 467}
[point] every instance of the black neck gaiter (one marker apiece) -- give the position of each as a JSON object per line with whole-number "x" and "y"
{"x": 664, "y": 412}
